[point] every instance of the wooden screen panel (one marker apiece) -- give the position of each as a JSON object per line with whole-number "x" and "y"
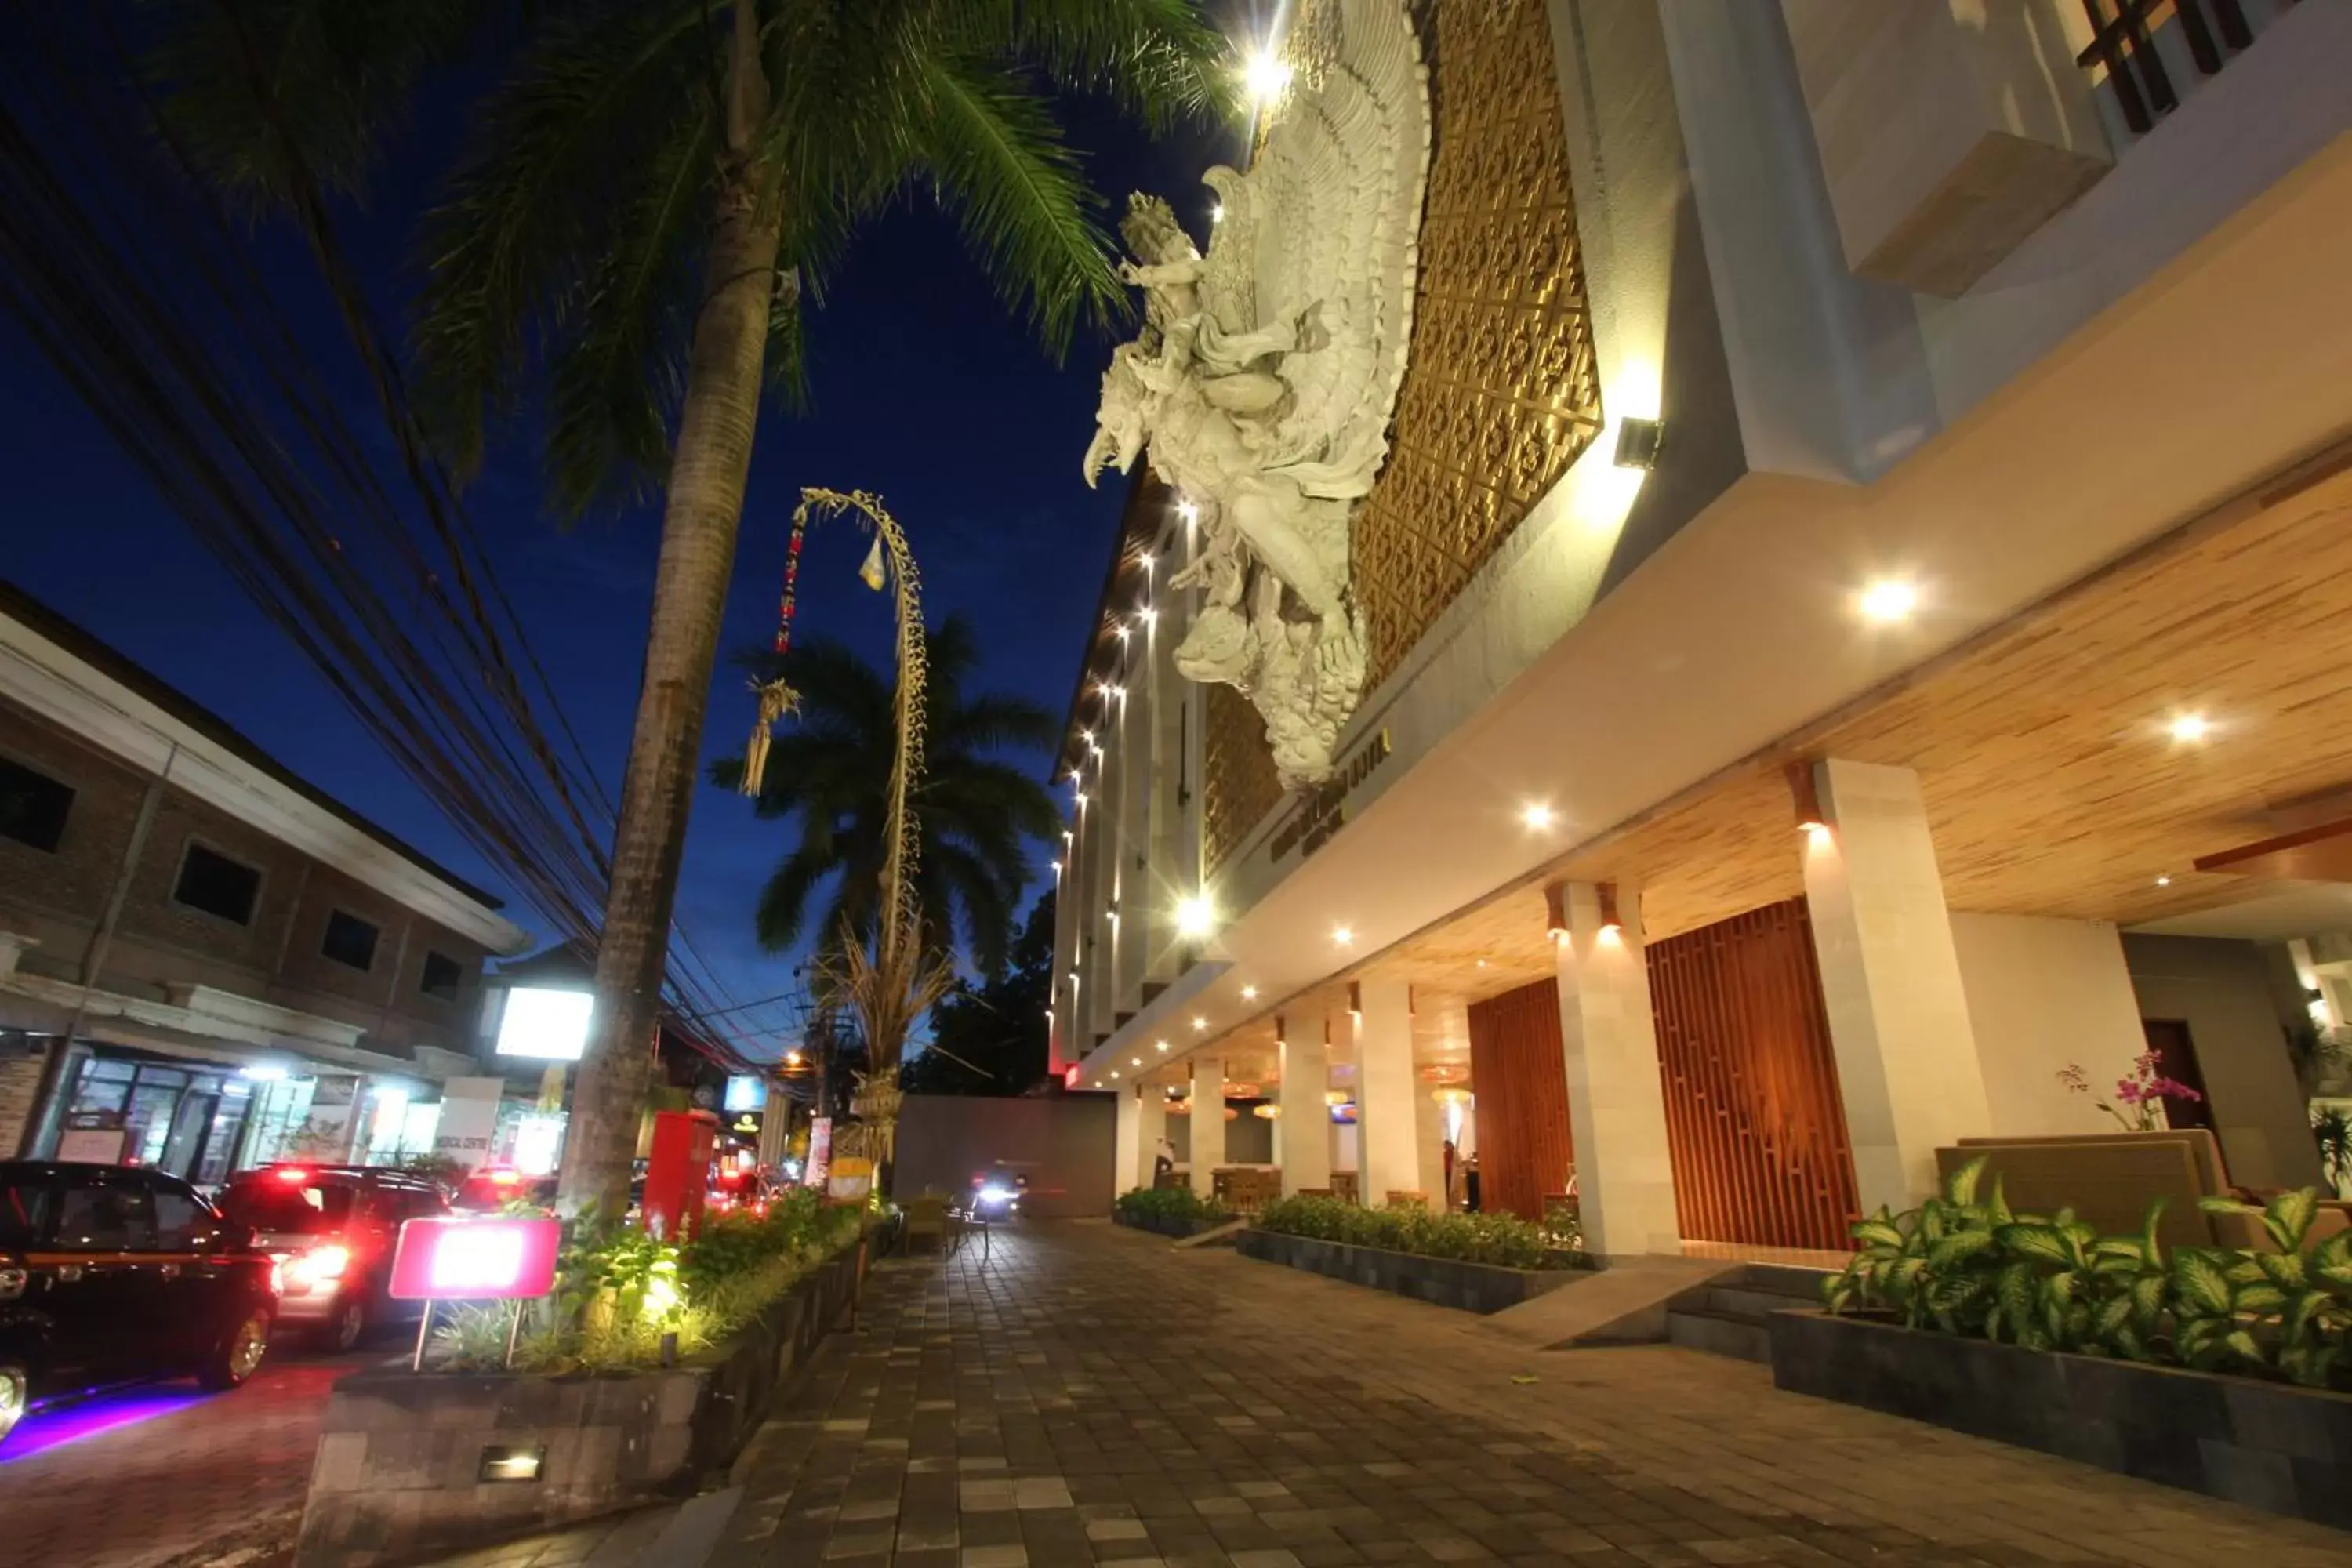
{"x": 1520, "y": 1079}
{"x": 1753, "y": 1120}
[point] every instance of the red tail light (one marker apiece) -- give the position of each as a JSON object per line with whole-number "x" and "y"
{"x": 291, "y": 1174}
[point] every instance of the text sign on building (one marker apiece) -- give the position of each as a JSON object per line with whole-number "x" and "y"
{"x": 551, "y": 1026}
{"x": 1323, "y": 810}
{"x": 475, "y": 1259}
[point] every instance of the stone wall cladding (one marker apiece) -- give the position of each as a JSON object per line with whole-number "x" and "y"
{"x": 396, "y": 1477}
{"x": 2269, "y": 1445}
{"x": 1479, "y": 1287}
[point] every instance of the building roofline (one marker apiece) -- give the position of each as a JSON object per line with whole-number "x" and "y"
{"x": 85, "y": 648}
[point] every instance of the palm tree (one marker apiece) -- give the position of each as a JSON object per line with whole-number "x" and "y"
{"x": 830, "y": 768}
{"x": 643, "y": 202}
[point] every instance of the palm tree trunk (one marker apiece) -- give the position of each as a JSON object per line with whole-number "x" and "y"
{"x": 705, "y": 505}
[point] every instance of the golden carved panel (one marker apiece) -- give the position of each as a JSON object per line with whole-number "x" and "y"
{"x": 1501, "y": 393}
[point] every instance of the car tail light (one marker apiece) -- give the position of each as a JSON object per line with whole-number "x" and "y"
{"x": 295, "y": 1173}
{"x": 13, "y": 1280}
{"x": 318, "y": 1265}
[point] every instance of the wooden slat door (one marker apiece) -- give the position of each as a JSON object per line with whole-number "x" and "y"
{"x": 1517, "y": 1071}
{"x": 1753, "y": 1120}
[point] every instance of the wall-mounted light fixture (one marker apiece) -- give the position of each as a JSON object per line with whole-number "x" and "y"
{"x": 1805, "y": 795}
{"x": 1610, "y": 926}
{"x": 1556, "y": 911}
{"x": 1637, "y": 443}
{"x": 1355, "y": 1001}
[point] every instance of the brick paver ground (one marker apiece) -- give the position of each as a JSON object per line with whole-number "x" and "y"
{"x": 189, "y": 1469}
{"x": 1094, "y": 1395}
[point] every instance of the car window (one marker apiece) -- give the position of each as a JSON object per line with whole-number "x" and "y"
{"x": 269, "y": 1200}
{"x": 24, "y": 1205}
{"x": 182, "y": 1220}
{"x": 101, "y": 1212}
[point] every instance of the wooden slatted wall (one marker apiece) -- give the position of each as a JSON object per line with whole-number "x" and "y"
{"x": 1525, "y": 1148}
{"x": 1753, "y": 1118}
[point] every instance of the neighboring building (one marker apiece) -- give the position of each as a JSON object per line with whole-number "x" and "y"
{"x": 1858, "y": 620}
{"x": 204, "y": 962}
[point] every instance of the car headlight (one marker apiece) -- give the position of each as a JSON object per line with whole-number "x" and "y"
{"x": 993, "y": 1195}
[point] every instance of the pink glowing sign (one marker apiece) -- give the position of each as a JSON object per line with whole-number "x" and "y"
{"x": 476, "y": 1259}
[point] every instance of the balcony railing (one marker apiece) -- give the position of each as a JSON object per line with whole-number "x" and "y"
{"x": 2130, "y": 51}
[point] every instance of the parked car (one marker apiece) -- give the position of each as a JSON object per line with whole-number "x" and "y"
{"x": 333, "y": 1230}
{"x": 112, "y": 1275}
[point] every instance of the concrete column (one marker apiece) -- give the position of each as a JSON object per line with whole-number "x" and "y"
{"x": 1150, "y": 1130}
{"x": 1906, "y": 1056}
{"x": 1127, "y": 1136}
{"x": 1305, "y": 1120}
{"x": 1208, "y": 1121}
{"x": 1387, "y": 1125}
{"x": 1616, "y": 1101}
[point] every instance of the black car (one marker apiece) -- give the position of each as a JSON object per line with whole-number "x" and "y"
{"x": 112, "y": 1275}
{"x": 332, "y": 1230}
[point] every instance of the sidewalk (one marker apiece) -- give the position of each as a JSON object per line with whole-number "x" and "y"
{"x": 1094, "y": 1395}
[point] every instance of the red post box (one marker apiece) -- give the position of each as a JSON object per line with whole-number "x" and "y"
{"x": 677, "y": 1172}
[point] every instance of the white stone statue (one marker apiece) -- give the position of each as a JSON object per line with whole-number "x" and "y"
{"x": 1264, "y": 376}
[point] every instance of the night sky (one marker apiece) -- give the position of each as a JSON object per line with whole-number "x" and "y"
{"x": 923, "y": 389}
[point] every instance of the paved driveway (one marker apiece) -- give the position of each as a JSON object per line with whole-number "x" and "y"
{"x": 1094, "y": 1395}
{"x": 140, "y": 1478}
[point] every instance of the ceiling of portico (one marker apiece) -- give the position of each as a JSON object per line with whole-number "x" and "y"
{"x": 2053, "y": 785}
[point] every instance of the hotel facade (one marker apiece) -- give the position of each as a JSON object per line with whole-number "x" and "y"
{"x": 1855, "y": 623}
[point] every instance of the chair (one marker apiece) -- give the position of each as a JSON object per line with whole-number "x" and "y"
{"x": 928, "y": 1215}
{"x": 1398, "y": 1198}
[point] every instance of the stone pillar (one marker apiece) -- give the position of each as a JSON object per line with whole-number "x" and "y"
{"x": 1906, "y": 1056}
{"x": 1125, "y": 1139}
{"x": 1387, "y": 1126}
{"x": 1305, "y": 1120}
{"x": 1151, "y": 1129}
{"x": 1208, "y": 1122}
{"x": 1616, "y": 1101}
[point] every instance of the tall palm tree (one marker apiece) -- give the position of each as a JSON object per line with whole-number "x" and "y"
{"x": 642, "y": 204}
{"x": 830, "y": 768}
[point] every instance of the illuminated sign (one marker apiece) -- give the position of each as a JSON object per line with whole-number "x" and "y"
{"x": 1070, "y": 1076}
{"x": 501, "y": 1260}
{"x": 548, "y": 1026}
{"x": 745, "y": 1092}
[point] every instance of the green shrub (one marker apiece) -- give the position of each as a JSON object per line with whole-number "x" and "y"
{"x": 1170, "y": 1203}
{"x": 1501, "y": 1239}
{"x": 1962, "y": 1267}
{"x": 619, "y": 1292}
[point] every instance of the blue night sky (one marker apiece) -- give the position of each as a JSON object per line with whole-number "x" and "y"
{"x": 923, "y": 389}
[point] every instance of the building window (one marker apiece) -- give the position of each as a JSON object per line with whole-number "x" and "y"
{"x": 443, "y": 976}
{"x": 217, "y": 885}
{"x": 33, "y": 806}
{"x": 349, "y": 939}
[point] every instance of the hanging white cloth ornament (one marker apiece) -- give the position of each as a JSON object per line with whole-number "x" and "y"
{"x": 874, "y": 574}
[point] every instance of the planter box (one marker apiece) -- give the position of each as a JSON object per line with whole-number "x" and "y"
{"x": 399, "y": 1472}
{"x": 2269, "y": 1445}
{"x": 1469, "y": 1287}
{"x": 1165, "y": 1225}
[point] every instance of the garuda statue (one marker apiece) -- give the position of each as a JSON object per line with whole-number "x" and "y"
{"x": 1262, "y": 383}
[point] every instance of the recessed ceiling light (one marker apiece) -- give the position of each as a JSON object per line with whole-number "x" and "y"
{"x": 2164, "y": 882}
{"x": 1343, "y": 935}
{"x": 1114, "y": 1072}
{"x": 2190, "y": 726}
{"x": 1249, "y": 992}
{"x": 1159, "y": 1045}
{"x": 1888, "y": 599}
{"x": 1138, "y": 1062}
{"x": 1482, "y": 963}
{"x": 1198, "y": 1024}
{"x": 1536, "y": 814}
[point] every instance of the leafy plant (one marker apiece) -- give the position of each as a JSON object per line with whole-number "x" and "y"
{"x": 2139, "y": 1100}
{"x": 1504, "y": 1240}
{"x": 2333, "y": 1130}
{"x": 1170, "y": 1203}
{"x": 1958, "y": 1266}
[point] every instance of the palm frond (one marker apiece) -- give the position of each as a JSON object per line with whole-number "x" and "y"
{"x": 998, "y": 165}
{"x": 512, "y": 246}
{"x": 1159, "y": 60}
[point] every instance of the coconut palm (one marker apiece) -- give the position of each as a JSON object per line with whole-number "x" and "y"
{"x": 829, "y": 769}
{"x": 643, "y": 202}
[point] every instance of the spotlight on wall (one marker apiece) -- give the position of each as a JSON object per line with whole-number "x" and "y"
{"x": 1637, "y": 443}
{"x": 1556, "y": 913}
{"x": 1265, "y": 75}
{"x": 1195, "y": 917}
{"x": 1611, "y": 928}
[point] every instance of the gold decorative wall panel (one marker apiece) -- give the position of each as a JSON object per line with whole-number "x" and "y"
{"x": 1501, "y": 393}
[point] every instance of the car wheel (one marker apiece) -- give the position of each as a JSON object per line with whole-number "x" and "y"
{"x": 346, "y": 1327}
{"x": 13, "y": 1397}
{"x": 239, "y": 1353}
